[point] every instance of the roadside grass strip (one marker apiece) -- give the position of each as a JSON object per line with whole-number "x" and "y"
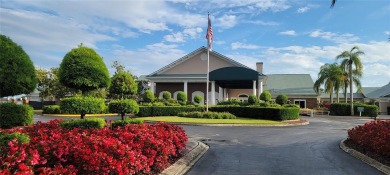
{"x": 78, "y": 115}
{"x": 238, "y": 120}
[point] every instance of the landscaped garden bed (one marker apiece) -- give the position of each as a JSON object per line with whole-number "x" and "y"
{"x": 372, "y": 139}
{"x": 131, "y": 149}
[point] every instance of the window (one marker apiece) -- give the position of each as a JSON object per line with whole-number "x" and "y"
{"x": 300, "y": 102}
{"x": 243, "y": 97}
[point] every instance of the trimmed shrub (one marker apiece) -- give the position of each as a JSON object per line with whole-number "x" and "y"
{"x": 291, "y": 106}
{"x": 166, "y": 95}
{"x": 5, "y": 138}
{"x": 12, "y": 115}
{"x": 78, "y": 105}
{"x": 51, "y": 109}
{"x": 252, "y": 99}
{"x": 209, "y": 115}
{"x": 265, "y": 96}
{"x": 278, "y": 113}
{"x": 198, "y": 99}
{"x": 343, "y": 109}
{"x": 123, "y": 106}
{"x": 182, "y": 98}
{"x": 281, "y": 99}
{"x": 166, "y": 110}
{"x": 148, "y": 96}
{"x": 127, "y": 121}
{"x": 96, "y": 123}
{"x": 229, "y": 102}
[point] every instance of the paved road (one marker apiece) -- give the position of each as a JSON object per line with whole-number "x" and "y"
{"x": 312, "y": 149}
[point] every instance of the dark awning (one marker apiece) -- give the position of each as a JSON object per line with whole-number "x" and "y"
{"x": 234, "y": 77}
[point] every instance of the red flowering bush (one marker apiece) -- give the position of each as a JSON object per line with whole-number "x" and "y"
{"x": 132, "y": 149}
{"x": 373, "y": 136}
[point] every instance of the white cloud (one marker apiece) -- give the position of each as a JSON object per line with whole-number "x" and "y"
{"x": 387, "y": 32}
{"x": 334, "y": 37}
{"x": 262, "y": 23}
{"x": 149, "y": 59}
{"x": 288, "y": 32}
{"x": 303, "y": 9}
{"x": 226, "y": 21}
{"x": 180, "y": 37}
{"x": 238, "y": 45}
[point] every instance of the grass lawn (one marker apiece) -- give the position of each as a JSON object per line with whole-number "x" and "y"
{"x": 78, "y": 115}
{"x": 38, "y": 111}
{"x": 174, "y": 119}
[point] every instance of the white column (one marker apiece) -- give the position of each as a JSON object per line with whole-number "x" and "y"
{"x": 225, "y": 97}
{"x": 220, "y": 94}
{"x": 152, "y": 86}
{"x": 212, "y": 92}
{"x": 260, "y": 87}
{"x": 185, "y": 87}
{"x": 254, "y": 87}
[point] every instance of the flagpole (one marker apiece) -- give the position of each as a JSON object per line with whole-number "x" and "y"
{"x": 207, "y": 82}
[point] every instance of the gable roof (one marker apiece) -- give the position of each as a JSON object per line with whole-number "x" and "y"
{"x": 383, "y": 91}
{"x": 289, "y": 84}
{"x": 188, "y": 56}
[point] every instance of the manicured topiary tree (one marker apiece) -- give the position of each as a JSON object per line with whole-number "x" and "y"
{"x": 123, "y": 86}
{"x": 265, "y": 96}
{"x": 83, "y": 69}
{"x": 17, "y": 72}
{"x": 252, "y": 99}
{"x": 166, "y": 95}
{"x": 148, "y": 96}
{"x": 182, "y": 97}
{"x": 123, "y": 106}
{"x": 281, "y": 99}
{"x": 198, "y": 99}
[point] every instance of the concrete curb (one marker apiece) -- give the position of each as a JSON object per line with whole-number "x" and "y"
{"x": 379, "y": 166}
{"x": 194, "y": 151}
{"x": 304, "y": 122}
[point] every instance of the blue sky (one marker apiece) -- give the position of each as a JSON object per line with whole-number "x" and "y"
{"x": 288, "y": 36}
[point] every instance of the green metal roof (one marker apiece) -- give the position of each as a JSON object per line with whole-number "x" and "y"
{"x": 297, "y": 84}
{"x": 234, "y": 73}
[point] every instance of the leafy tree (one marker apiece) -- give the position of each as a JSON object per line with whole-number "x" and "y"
{"x": 252, "y": 99}
{"x": 166, "y": 95}
{"x": 123, "y": 106}
{"x": 182, "y": 98}
{"x": 49, "y": 84}
{"x": 83, "y": 69}
{"x": 123, "y": 86}
{"x": 97, "y": 93}
{"x": 351, "y": 60}
{"x": 265, "y": 96}
{"x": 281, "y": 99}
{"x": 329, "y": 76}
{"x": 17, "y": 72}
{"x": 198, "y": 98}
{"x": 148, "y": 96}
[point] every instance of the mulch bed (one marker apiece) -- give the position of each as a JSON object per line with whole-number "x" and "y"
{"x": 382, "y": 159}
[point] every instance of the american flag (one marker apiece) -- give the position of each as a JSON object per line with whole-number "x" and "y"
{"x": 209, "y": 34}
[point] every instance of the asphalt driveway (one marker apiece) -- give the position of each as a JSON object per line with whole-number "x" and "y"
{"x": 311, "y": 149}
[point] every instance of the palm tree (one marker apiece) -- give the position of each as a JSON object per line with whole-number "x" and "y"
{"x": 329, "y": 76}
{"x": 345, "y": 79}
{"x": 351, "y": 59}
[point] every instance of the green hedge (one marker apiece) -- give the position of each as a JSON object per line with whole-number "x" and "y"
{"x": 209, "y": 115}
{"x": 12, "y": 115}
{"x": 123, "y": 105}
{"x": 278, "y": 113}
{"x": 344, "y": 109}
{"x": 166, "y": 110}
{"x": 84, "y": 123}
{"x": 5, "y": 138}
{"x": 77, "y": 105}
{"x": 51, "y": 109}
{"x": 118, "y": 123}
